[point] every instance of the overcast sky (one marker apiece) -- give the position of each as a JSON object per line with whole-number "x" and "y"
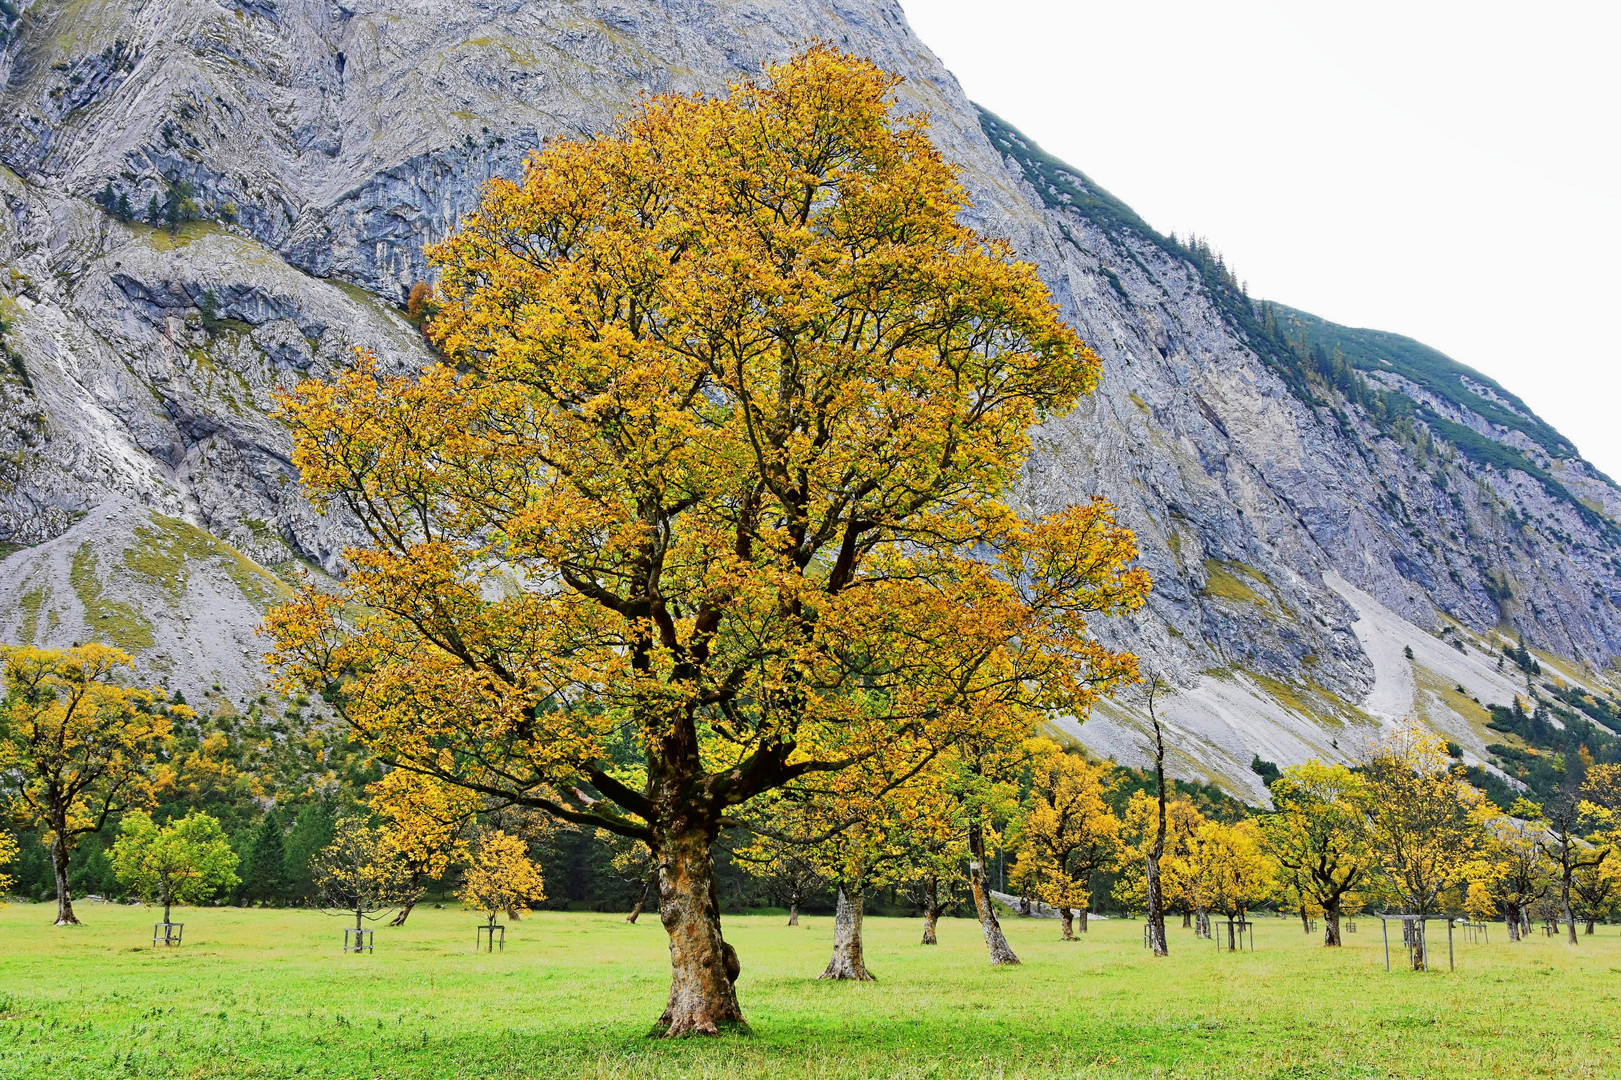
{"x": 1448, "y": 171}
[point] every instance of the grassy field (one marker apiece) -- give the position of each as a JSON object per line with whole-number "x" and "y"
{"x": 267, "y": 994}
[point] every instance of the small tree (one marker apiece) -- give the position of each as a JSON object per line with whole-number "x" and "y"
{"x": 501, "y": 876}
{"x": 1565, "y": 845}
{"x": 184, "y": 862}
{"x": 1240, "y": 877}
{"x": 1319, "y": 836}
{"x": 1595, "y": 890}
{"x": 1068, "y": 832}
{"x": 425, "y": 822}
{"x": 1512, "y": 872}
{"x": 264, "y": 871}
{"x": 1425, "y": 821}
{"x": 76, "y": 746}
{"x": 358, "y": 874}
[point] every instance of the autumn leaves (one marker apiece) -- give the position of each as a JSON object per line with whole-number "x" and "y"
{"x": 708, "y": 501}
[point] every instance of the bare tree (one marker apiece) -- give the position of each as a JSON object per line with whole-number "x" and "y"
{"x": 1154, "y": 688}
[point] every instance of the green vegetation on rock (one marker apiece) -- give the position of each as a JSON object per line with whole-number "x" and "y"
{"x": 163, "y": 550}
{"x": 108, "y": 620}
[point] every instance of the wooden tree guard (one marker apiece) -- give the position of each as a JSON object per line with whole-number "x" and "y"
{"x": 167, "y": 932}
{"x": 357, "y": 940}
{"x": 1416, "y": 936}
{"x": 497, "y": 934}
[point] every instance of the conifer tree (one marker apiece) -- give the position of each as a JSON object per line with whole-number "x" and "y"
{"x": 264, "y": 871}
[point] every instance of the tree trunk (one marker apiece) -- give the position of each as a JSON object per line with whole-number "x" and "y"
{"x": 641, "y": 898}
{"x": 1511, "y": 917}
{"x": 703, "y": 966}
{"x": 1187, "y": 918}
{"x": 635, "y": 912}
{"x": 1068, "y": 918}
{"x": 168, "y": 898}
{"x": 847, "y": 961}
{"x": 793, "y": 913}
{"x": 1420, "y": 945}
{"x": 1201, "y": 923}
{"x": 1331, "y": 924}
{"x": 1305, "y": 920}
{"x": 513, "y": 914}
{"x": 1156, "y": 911}
{"x": 1001, "y": 952}
{"x": 404, "y": 913}
{"x": 1080, "y": 917}
{"x": 1525, "y": 922}
{"x": 1024, "y": 906}
{"x": 931, "y": 909}
{"x": 1564, "y": 904}
{"x": 1589, "y": 929}
{"x": 59, "y": 864}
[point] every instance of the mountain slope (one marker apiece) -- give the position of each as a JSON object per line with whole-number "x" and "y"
{"x": 208, "y": 200}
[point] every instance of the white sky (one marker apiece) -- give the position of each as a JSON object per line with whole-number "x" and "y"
{"x": 1448, "y": 171}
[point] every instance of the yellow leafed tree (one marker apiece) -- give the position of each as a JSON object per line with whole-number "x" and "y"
{"x": 709, "y": 494}
{"x": 1068, "y": 832}
{"x": 1319, "y": 837}
{"x": 501, "y": 876}
{"x": 79, "y": 746}
{"x": 1426, "y": 823}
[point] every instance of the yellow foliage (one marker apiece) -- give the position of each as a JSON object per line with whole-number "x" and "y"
{"x": 718, "y": 459}
{"x": 1068, "y": 832}
{"x": 501, "y": 876}
{"x": 82, "y": 746}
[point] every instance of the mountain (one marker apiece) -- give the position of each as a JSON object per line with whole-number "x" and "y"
{"x": 208, "y": 199}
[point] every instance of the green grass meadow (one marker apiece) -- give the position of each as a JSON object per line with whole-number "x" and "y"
{"x": 268, "y": 994}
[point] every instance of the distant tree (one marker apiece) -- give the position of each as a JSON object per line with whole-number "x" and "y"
{"x": 1565, "y": 845}
{"x": 1512, "y": 873}
{"x": 1595, "y": 890}
{"x": 1242, "y": 876}
{"x": 356, "y": 873}
{"x": 1319, "y": 836}
{"x": 424, "y": 823}
{"x": 184, "y": 862}
{"x": 501, "y": 876}
{"x": 76, "y": 747}
{"x": 1425, "y": 821}
{"x": 264, "y": 870}
{"x": 1068, "y": 832}
{"x": 311, "y": 831}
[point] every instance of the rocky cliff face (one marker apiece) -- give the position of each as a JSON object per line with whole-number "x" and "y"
{"x": 207, "y": 199}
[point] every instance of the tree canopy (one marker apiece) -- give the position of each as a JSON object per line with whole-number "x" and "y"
{"x": 710, "y": 492}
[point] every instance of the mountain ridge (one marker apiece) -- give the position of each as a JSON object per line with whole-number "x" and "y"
{"x": 232, "y": 197}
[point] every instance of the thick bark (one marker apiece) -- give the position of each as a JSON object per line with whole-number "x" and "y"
{"x": 404, "y": 913}
{"x": 1080, "y": 917}
{"x": 847, "y": 961}
{"x": 931, "y": 910}
{"x": 1305, "y": 920}
{"x": 1001, "y": 952}
{"x": 1331, "y": 925}
{"x": 1068, "y": 918}
{"x": 793, "y": 913}
{"x": 703, "y": 966}
{"x": 1589, "y": 929}
{"x": 1511, "y": 916}
{"x": 59, "y": 864}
